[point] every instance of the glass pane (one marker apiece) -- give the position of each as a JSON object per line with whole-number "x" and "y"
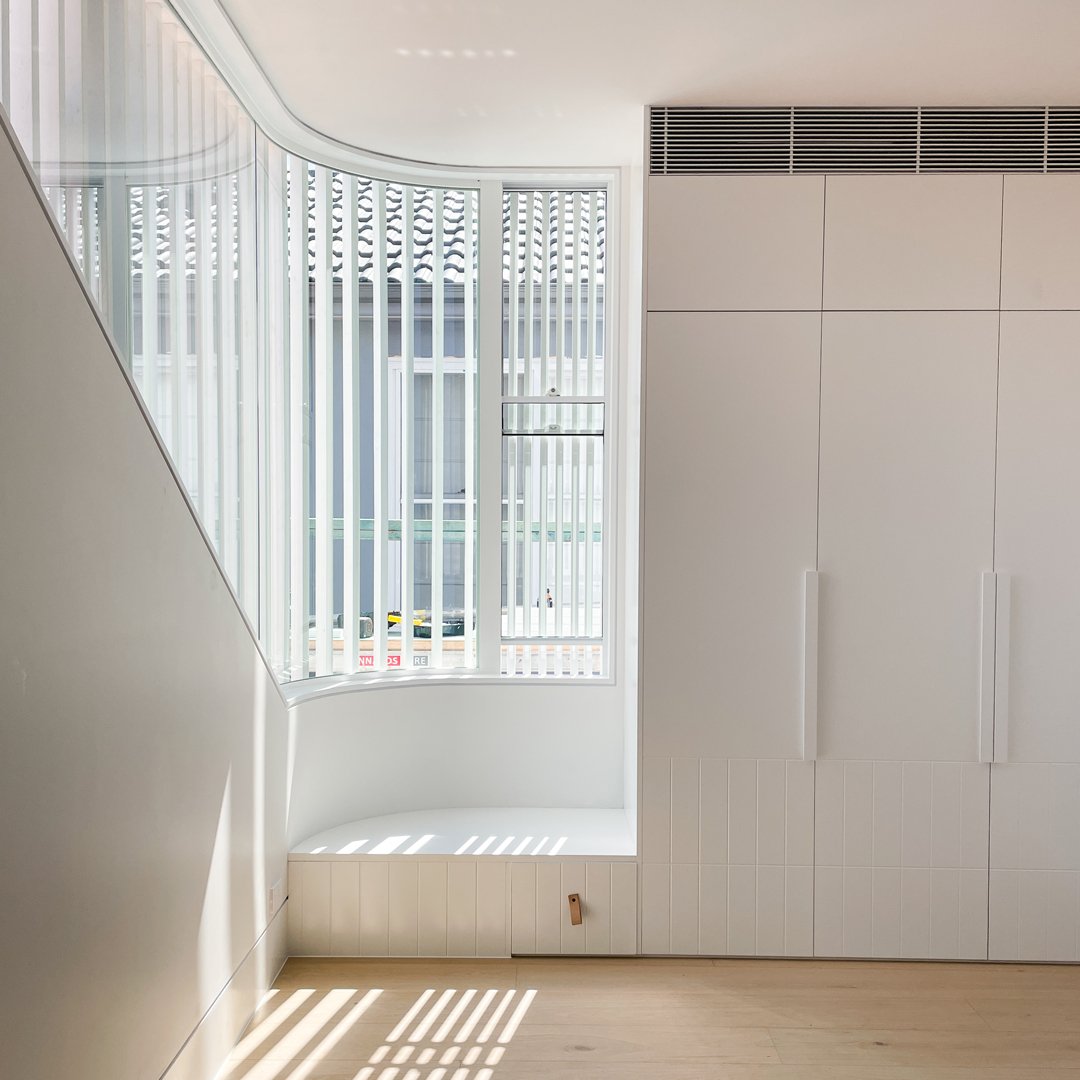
{"x": 147, "y": 162}
{"x": 554, "y": 276}
{"x": 553, "y": 513}
{"x": 553, "y": 419}
{"x": 379, "y": 413}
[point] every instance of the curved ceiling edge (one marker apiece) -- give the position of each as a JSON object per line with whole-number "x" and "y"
{"x": 228, "y": 50}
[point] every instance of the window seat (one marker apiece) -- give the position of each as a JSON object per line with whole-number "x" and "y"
{"x": 485, "y": 832}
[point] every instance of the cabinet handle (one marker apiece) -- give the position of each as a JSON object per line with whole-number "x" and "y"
{"x": 987, "y": 645}
{"x": 1001, "y": 669}
{"x": 810, "y": 665}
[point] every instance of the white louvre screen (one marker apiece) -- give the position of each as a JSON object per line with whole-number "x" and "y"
{"x": 554, "y": 386}
{"x": 372, "y": 392}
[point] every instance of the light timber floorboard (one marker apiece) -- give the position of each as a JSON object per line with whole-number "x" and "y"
{"x": 631, "y": 1019}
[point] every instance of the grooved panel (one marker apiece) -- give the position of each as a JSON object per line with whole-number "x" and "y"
{"x": 685, "y": 810}
{"x": 747, "y": 888}
{"x": 624, "y": 908}
{"x": 374, "y": 908}
{"x": 573, "y": 881}
{"x": 461, "y": 909}
{"x": 490, "y": 908}
{"x": 540, "y": 917}
{"x": 1035, "y": 863}
{"x": 550, "y": 908}
{"x": 901, "y": 859}
{"x": 656, "y": 804}
{"x": 404, "y": 908}
{"x": 523, "y": 908}
{"x": 344, "y": 908}
{"x": 431, "y": 909}
{"x": 655, "y": 909}
{"x": 400, "y": 907}
{"x": 598, "y": 908}
{"x": 684, "y": 908}
{"x": 315, "y": 912}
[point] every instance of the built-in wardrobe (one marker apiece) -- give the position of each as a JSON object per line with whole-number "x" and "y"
{"x": 861, "y": 563}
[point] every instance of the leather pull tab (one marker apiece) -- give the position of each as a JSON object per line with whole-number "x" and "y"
{"x": 574, "y": 900}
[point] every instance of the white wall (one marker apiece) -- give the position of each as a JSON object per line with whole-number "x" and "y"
{"x": 142, "y": 740}
{"x": 384, "y": 751}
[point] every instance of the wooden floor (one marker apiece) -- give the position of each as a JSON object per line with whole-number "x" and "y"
{"x": 628, "y": 1019}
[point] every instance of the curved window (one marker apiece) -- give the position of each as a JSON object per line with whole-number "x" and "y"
{"x": 310, "y": 345}
{"x": 370, "y": 345}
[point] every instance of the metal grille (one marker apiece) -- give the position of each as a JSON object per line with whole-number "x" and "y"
{"x": 1063, "y": 140}
{"x": 717, "y": 141}
{"x": 982, "y": 140}
{"x": 855, "y": 140}
{"x": 702, "y": 140}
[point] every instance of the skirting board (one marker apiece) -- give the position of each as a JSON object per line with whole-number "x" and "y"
{"x": 209, "y": 1045}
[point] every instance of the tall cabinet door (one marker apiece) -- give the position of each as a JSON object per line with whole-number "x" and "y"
{"x": 906, "y": 533}
{"x": 1035, "y": 841}
{"x": 730, "y": 529}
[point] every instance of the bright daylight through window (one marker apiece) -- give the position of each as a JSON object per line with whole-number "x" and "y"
{"x": 307, "y": 343}
{"x": 553, "y": 417}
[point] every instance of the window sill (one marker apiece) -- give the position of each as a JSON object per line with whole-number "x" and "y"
{"x": 303, "y": 690}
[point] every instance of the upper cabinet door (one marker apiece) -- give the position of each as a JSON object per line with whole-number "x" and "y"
{"x": 1038, "y": 535}
{"x": 907, "y": 526}
{"x": 735, "y": 243}
{"x": 730, "y": 517}
{"x": 1040, "y": 258}
{"x": 912, "y": 243}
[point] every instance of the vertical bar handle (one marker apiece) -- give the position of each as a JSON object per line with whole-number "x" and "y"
{"x": 811, "y": 582}
{"x": 1001, "y": 669}
{"x": 987, "y": 646}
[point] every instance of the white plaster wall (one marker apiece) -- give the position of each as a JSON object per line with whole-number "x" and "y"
{"x": 384, "y": 751}
{"x": 142, "y": 740}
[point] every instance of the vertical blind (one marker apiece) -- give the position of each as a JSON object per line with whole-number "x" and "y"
{"x": 554, "y": 386}
{"x": 371, "y": 396}
{"x": 306, "y": 340}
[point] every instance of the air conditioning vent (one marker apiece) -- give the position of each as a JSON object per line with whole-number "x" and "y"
{"x": 715, "y": 140}
{"x": 1063, "y": 140}
{"x": 982, "y": 140}
{"x": 696, "y": 140}
{"x": 855, "y": 140}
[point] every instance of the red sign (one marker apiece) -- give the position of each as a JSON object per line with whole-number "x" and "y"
{"x": 367, "y": 660}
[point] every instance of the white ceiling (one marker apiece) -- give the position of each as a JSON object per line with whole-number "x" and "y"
{"x": 484, "y": 82}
